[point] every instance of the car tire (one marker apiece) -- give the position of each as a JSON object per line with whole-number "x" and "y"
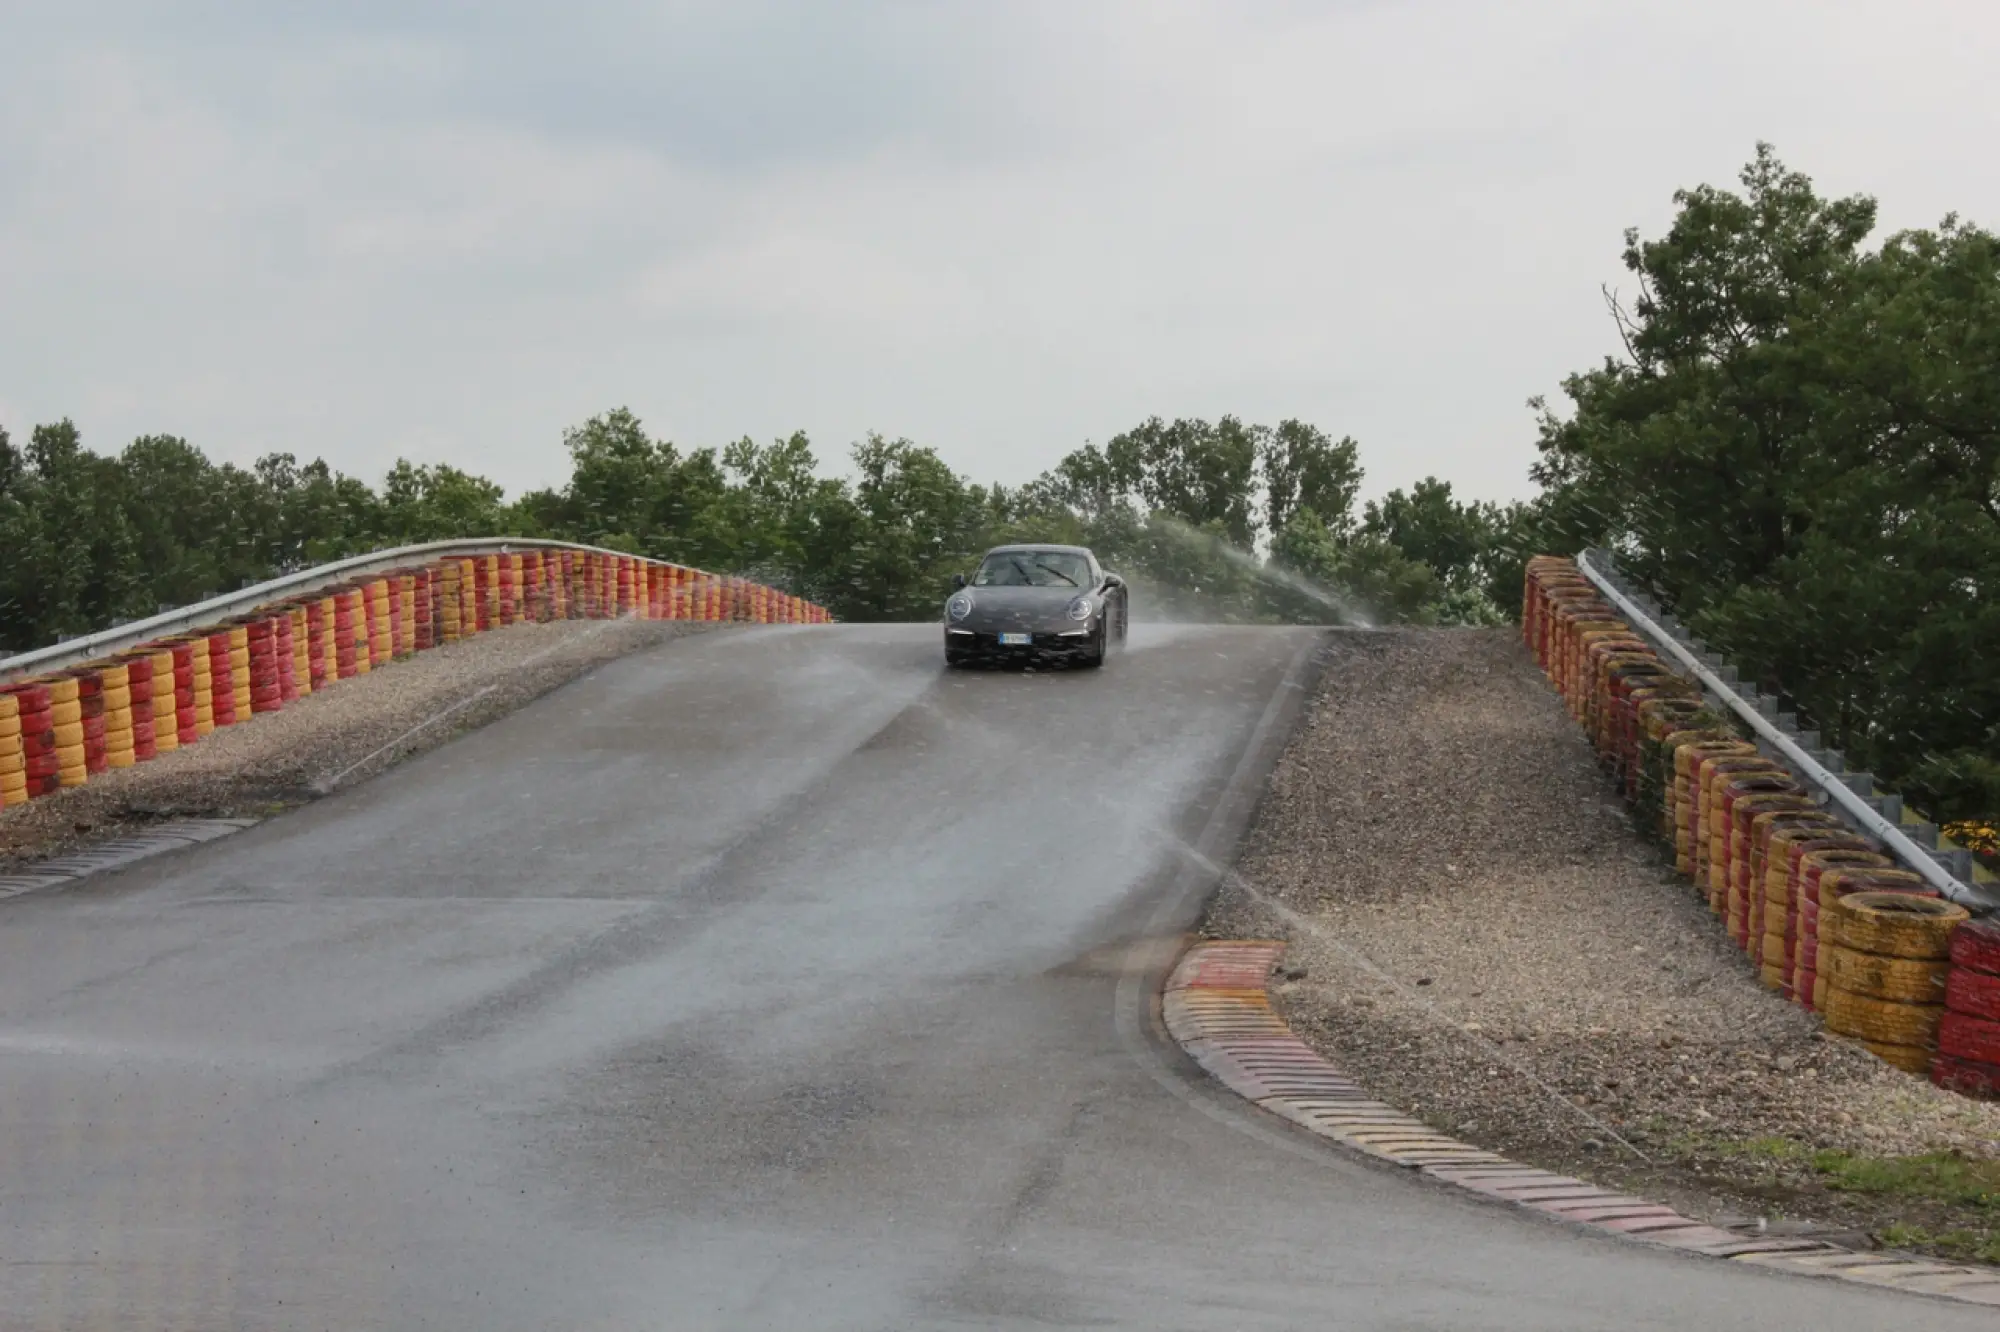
{"x": 1099, "y": 645}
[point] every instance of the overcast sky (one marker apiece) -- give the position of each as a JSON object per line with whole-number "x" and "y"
{"x": 441, "y": 230}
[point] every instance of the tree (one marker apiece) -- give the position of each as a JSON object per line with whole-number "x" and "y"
{"x": 918, "y": 522}
{"x": 1801, "y": 452}
{"x": 1427, "y": 524}
{"x": 1303, "y": 468}
{"x": 1362, "y": 579}
{"x": 1191, "y": 470}
{"x": 433, "y": 502}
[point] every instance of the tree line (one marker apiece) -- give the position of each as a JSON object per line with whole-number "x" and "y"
{"x": 1217, "y": 520}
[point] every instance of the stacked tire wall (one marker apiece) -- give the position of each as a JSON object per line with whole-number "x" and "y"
{"x": 62, "y": 728}
{"x": 1824, "y": 915}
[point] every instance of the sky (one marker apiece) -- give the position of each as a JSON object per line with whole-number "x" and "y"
{"x": 1002, "y": 228}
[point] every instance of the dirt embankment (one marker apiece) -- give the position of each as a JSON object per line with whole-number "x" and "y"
{"x": 1477, "y": 932}
{"x": 330, "y": 739}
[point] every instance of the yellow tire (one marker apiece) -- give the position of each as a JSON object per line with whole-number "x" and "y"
{"x": 69, "y": 735}
{"x": 10, "y": 725}
{"x": 1883, "y": 1020}
{"x": 1893, "y": 924}
{"x": 1910, "y": 1058}
{"x": 1904, "y": 980}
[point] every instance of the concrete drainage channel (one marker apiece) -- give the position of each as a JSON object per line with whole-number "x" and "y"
{"x": 61, "y": 871}
{"x": 1216, "y": 1007}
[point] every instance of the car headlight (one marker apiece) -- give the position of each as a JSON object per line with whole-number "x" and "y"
{"x": 1081, "y": 609}
{"x": 958, "y": 607}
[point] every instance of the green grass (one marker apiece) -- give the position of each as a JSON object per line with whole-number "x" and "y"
{"x": 1934, "y": 1177}
{"x": 1957, "y": 1196}
{"x": 1941, "y": 1177}
{"x": 1964, "y": 1245}
{"x": 1763, "y": 1149}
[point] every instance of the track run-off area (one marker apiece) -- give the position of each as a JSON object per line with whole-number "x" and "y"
{"x": 769, "y": 978}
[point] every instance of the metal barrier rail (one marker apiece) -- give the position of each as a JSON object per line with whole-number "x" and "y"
{"x": 72, "y": 651}
{"x": 1852, "y": 794}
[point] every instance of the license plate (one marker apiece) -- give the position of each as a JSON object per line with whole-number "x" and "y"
{"x": 1016, "y": 640}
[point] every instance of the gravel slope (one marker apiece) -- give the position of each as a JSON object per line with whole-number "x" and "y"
{"x": 330, "y": 739}
{"x": 1479, "y": 935}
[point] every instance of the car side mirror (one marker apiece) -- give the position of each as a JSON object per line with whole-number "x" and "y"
{"x": 957, "y": 581}
{"x": 1113, "y": 580}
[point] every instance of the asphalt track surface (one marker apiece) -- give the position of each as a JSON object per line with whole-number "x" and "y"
{"x": 767, "y": 979}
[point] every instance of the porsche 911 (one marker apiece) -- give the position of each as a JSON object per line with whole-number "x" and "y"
{"x": 1033, "y": 602}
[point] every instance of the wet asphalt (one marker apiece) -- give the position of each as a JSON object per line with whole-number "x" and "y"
{"x": 768, "y": 979}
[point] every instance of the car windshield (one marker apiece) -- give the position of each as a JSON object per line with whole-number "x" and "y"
{"x": 1033, "y": 568}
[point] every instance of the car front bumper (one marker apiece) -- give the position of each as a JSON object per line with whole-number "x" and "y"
{"x": 1072, "y": 638}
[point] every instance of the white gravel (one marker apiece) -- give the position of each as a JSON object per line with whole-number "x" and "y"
{"x": 1479, "y": 935}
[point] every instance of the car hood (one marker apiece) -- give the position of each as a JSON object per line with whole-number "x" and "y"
{"x": 1018, "y": 607}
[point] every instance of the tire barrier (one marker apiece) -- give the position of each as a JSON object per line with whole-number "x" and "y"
{"x": 1823, "y": 914}
{"x": 64, "y": 727}
{"x": 1886, "y": 961}
{"x": 13, "y": 754}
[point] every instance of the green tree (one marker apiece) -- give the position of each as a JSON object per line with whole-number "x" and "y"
{"x": 1198, "y": 472}
{"x": 1801, "y": 452}
{"x": 1303, "y": 468}
{"x": 918, "y": 523}
{"x": 436, "y": 502}
{"x": 1360, "y": 579}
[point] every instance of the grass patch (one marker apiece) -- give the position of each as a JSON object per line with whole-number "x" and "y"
{"x": 1935, "y": 1177}
{"x": 1965, "y": 1245}
{"x": 1761, "y": 1149}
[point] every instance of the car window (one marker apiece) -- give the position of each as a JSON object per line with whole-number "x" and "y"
{"x": 1033, "y": 568}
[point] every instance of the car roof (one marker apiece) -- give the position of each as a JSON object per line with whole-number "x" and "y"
{"x": 1040, "y": 545}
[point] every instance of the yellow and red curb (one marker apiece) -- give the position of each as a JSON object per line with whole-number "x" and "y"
{"x": 1217, "y": 1007}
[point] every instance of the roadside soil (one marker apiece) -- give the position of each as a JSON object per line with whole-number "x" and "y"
{"x": 1478, "y": 934}
{"x": 331, "y": 739}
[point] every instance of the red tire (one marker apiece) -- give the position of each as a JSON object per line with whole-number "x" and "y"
{"x": 1976, "y": 944}
{"x": 1973, "y": 992}
{"x": 1968, "y": 1077}
{"x": 1969, "y": 1037}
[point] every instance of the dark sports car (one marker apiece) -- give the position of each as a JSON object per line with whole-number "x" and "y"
{"x": 1035, "y": 601}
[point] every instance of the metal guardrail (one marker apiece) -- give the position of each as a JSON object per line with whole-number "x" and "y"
{"x": 229, "y": 604}
{"x": 1852, "y": 795}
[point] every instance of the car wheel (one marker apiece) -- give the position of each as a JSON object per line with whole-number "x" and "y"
{"x": 1099, "y": 642}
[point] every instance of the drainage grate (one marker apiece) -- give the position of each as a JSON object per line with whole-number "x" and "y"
{"x": 60, "y": 871}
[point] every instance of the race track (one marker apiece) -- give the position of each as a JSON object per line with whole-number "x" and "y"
{"x": 766, "y": 979}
